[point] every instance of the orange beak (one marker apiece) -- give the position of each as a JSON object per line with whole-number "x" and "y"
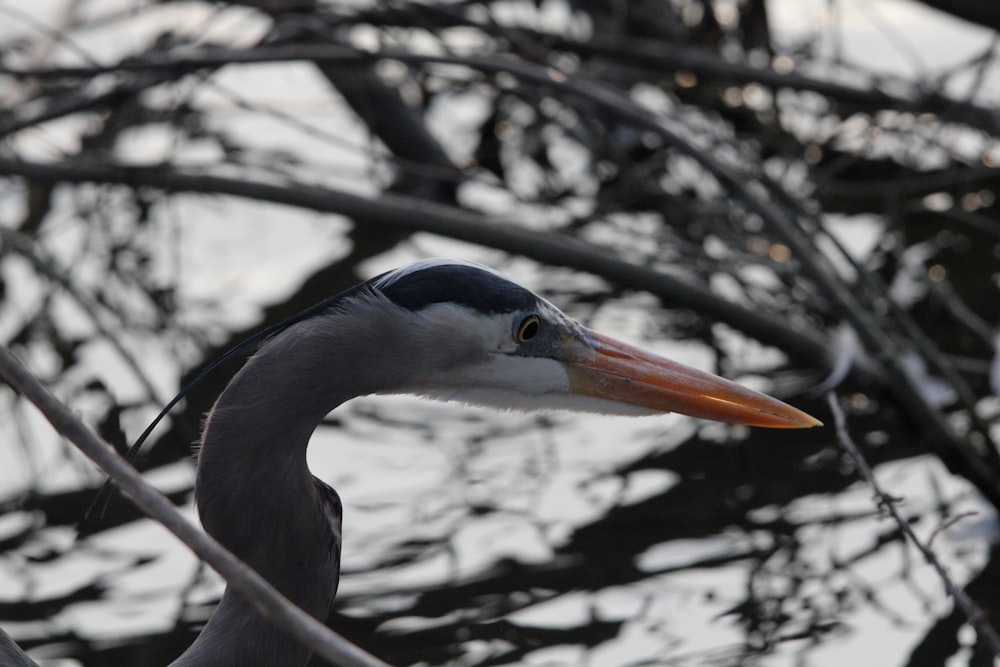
{"x": 605, "y": 368}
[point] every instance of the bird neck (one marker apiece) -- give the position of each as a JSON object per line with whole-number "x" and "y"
{"x": 256, "y": 496}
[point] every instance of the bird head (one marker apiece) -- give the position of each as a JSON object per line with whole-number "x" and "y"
{"x": 480, "y": 338}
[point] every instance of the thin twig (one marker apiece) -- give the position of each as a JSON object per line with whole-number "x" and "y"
{"x": 265, "y": 598}
{"x": 973, "y": 613}
{"x": 951, "y": 446}
{"x": 806, "y": 346}
{"x": 30, "y": 251}
{"x": 641, "y": 53}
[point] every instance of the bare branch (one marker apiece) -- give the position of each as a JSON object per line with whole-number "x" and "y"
{"x": 641, "y": 53}
{"x": 24, "y": 247}
{"x": 265, "y": 598}
{"x": 411, "y": 214}
{"x": 982, "y": 12}
{"x": 976, "y": 616}
{"x": 786, "y": 226}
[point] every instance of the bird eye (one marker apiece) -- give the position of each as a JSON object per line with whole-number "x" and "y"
{"x": 528, "y": 328}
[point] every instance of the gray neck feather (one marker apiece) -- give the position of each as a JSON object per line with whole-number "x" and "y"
{"x": 11, "y": 654}
{"x": 254, "y": 490}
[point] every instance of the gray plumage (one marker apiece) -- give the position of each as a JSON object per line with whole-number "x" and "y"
{"x": 11, "y": 654}
{"x": 254, "y": 449}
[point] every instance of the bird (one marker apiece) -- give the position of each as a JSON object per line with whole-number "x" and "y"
{"x": 443, "y": 329}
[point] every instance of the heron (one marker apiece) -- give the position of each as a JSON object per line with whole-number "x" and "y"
{"x": 443, "y": 329}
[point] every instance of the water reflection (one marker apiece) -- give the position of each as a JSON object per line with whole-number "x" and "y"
{"x": 481, "y": 539}
{"x": 493, "y": 539}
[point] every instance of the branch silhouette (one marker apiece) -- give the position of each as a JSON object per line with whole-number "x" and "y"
{"x": 754, "y": 191}
{"x": 268, "y": 601}
{"x": 974, "y": 613}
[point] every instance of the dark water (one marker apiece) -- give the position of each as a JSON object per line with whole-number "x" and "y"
{"x": 477, "y": 538}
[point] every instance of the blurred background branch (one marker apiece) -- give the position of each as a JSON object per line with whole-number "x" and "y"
{"x": 807, "y": 189}
{"x": 974, "y": 614}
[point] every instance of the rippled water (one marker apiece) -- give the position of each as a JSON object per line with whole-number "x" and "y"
{"x": 471, "y": 537}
